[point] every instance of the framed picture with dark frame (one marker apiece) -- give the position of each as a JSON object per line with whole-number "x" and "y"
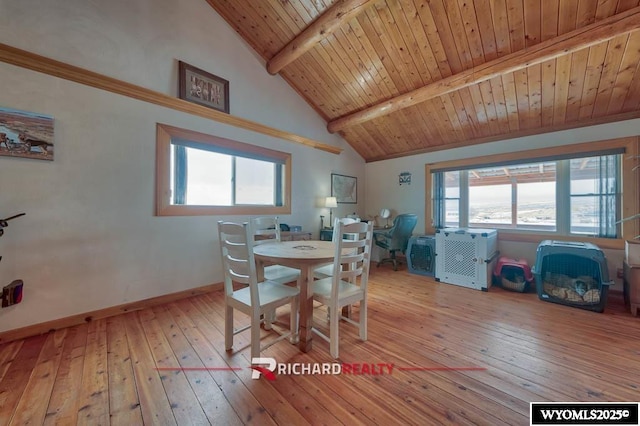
{"x": 344, "y": 188}
{"x": 201, "y": 87}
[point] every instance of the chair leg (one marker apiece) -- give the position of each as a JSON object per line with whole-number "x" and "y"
{"x": 363, "y": 319}
{"x": 334, "y": 327}
{"x": 255, "y": 335}
{"x": 293, "y": 320}
{"x": 269, "y": 318}
{"x": 228, "y": 328}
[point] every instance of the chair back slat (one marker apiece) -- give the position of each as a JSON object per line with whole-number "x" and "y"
{"x": 239, "y": 270}
{"x": 347, "y": 243}
{"x": 238, "y": 262}
{"x": 350, "y": 258}
{"x": 351, "y": 274}
{"x": 353, "y": 254}
{"x": 344, "y": 220}
{"x": 265, "y": 229}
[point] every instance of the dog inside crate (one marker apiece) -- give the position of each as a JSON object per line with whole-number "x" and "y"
{"x": 512, "y": 278}
{"x": 571, "y": 278}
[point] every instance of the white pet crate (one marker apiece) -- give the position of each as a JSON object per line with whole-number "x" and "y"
{"x": 465, "y": 256}
{"x": 421, "y": 255}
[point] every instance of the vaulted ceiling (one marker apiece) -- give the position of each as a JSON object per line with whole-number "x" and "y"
{"x": 401, "y": 77}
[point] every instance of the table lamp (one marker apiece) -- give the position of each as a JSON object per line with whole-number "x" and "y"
{"x": 385, "y": 214}
{"x": 331, "y": 203}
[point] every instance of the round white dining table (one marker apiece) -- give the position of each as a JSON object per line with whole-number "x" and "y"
{"x": 303, "y": 255}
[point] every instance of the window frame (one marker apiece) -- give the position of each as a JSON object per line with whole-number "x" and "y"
{"x": 164, "y": 136}
{"x": 630, "y": 185}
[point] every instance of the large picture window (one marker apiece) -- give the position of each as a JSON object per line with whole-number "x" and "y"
{"x": 201, "y": 174}
{"x": 523, "y": 196}
{"x": 561, "y": 192}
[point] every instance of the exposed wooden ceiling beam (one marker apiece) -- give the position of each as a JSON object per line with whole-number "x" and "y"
{"x": 342, "y": 11}
{"x": 570, "y": 42}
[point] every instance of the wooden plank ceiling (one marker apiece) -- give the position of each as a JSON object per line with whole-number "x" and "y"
{"x": 401, "y": 77}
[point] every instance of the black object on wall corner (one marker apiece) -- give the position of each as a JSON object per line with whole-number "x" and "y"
{"x": 12, "y": 294}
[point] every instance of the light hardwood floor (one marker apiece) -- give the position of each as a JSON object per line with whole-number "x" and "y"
{"x": 459, "y": 356}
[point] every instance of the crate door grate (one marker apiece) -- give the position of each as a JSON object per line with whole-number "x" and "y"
{"x": 459, "y": 257}
{"x": 571, "y": 265}
{"x": 564, "y": 275}
{"x": 421, "y": 257}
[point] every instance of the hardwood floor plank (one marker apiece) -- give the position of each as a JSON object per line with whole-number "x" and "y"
{"x": 154, "y": 403}
{"x": 63, "y": 405}
{"x": 34, "y": 401}
{"x": 93, "y": 399}
{"x": 15, "y": 380}
{"x": 7, "y": 354}
{"x": 124, "y": 404}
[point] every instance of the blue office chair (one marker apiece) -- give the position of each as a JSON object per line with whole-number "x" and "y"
{"x": 396, "y": 238}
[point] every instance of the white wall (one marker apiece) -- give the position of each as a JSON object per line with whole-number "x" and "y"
{"x": 383, "y": 189}
{"x": 90, "y": 239}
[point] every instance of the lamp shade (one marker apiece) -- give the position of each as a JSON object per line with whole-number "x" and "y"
{"x": 331, "y": 202}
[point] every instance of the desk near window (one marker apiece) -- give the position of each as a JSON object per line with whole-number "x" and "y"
{"x": 326, "y": 234}
{"x": 291, "y": 236}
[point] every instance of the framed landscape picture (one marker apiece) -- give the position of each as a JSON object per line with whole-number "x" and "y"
{"x": 26, "y": 134}
{"x": 203, "y": 88}
{"x": 344, "y": 188}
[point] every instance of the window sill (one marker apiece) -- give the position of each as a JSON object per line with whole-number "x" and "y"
{"x": 537, "y": 237}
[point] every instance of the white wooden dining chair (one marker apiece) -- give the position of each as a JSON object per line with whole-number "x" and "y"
{"x": 327, "y": 270}
{"x": 245, "y": 294}
{"x": 267, "y": 229}
{"x": 348, "y": 284}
